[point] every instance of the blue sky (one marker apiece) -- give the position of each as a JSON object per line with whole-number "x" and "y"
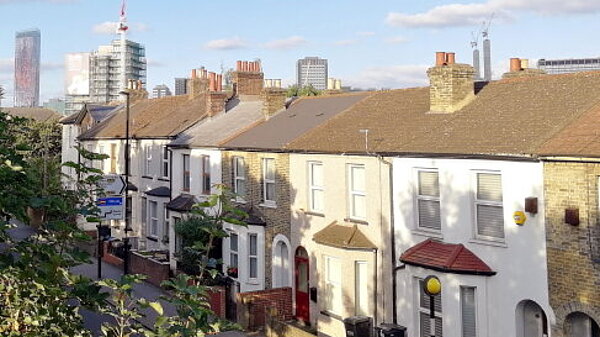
{"x": 375, "y": 43}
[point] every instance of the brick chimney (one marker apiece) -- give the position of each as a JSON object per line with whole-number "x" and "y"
{"x": 198, "y": 83}
{"x": 136, "y": 91}
{"x": 451, "y": 84}
{"x": 248, "y": 80}
{"x": 520, "y": 68}
{"x": 216, "y": 96}
{"x": 273, "y": 99}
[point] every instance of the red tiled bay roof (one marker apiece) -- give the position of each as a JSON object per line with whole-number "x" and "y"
{"x": 446, "y": 257}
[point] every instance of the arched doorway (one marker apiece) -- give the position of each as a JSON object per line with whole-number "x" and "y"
{"x": 531, "y": 320}
{"x": 578, "y": 324}
{"x": 281, "y": 264}
{"x": 302, "y": 285}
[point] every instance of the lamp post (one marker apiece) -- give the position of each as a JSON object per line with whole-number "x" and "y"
{"x": 432, "y": 287}
{"x": 126, "y": 201}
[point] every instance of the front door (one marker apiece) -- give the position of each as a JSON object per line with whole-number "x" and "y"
{"x": 302, "y": 298}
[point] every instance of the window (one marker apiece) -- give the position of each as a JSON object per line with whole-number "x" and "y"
{"x": 166, "y": 223}
{"x": 316, "y": 182}
{"x": 253, "y": 255}
{"x": 98, "y": 162}
{"x": 113, "y": 158}
{"x": 361, "y": 296}
{"x": 87, "y": 162}
{"x": 424, "y": 320}
{"x": 488, "y": 206}
{"x": 178, "y": 248}
{"x": 186, "y": 172}
{"x": 239, "y": 176}
{"x": 357, "y": 192}
{"x": 468, "y": 313}
{"x": 144, "y": 213}
{"x": 428, "y": 200}
{"x": 148, "y": 160}
{"x": 153, "y": 218}
{"x": 268, "y": 169}
{"x": 205, "y": 174}
{"x": 233, "y": 250}
{"x": 333, "y": 285}
{"x": 165, "y": 162}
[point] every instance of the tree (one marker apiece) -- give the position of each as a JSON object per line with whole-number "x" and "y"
{"x": 307, "y": 90}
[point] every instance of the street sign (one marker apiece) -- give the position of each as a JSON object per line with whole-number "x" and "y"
{"x": 113, "y": 184}
{"x": 111, "y": 208}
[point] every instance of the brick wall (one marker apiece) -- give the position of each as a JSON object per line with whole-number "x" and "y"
{"x": 157, "y": 272}
{"x": 278, "y": 218}
{"x": 248, "y": 83}
{"x": 216, "y": 299}
{"x": 254, "y": 307}
{"x": 452, "y": 87}
{"x": 573, "y": 276}
{"x": 273, "y": 100}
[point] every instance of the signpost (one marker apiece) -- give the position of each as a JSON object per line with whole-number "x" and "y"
{"x": 113, "y": 184}
{"x": 111, "y": 207}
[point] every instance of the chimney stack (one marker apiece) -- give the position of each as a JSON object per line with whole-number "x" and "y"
{"x": 198, "y": 84}
{"x": 520, "y": 68}
{"x": 451, "y": 84}
{"x": 248, "y": 80}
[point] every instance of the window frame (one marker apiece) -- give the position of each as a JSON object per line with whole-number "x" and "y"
{"x": 166, "y": 162}
{"x": 186, "y": 174}
{"x": 312, "y": 187}
{"x": 251, "y": 256}
{"x": 205, "y": 172}
{"x": 358, "y": 305}
{"x": 425, "y": 310}
{"x": 234, "y": 252}
{"x": 418, "y": 197}
{"x": 147, "y": 160}
{"x": 331, "y": 286}
{"x": 144, "y": 211}
{"x": 266, "y": 182}
{"x": 113, "y": 158}
{"x": 351, "y": 192}
{"x": 166, "y": 223}
{"x": 237, "y": 178}
{"x": 461, "y": 299}
{"x": 483, "y": 202}
{"x": 153, "y": 216}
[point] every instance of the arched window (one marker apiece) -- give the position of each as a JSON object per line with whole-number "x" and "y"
{"x": 281, "y": 263}
{"x": 531, "y": 320}
{"x": 578, "y": 324}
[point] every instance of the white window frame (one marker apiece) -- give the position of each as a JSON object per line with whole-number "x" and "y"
{"x": 425, "y": 310}
{"x": 113, "y": 158}
{"x": 147, "y": 160}
{"x": 99, "y": 163}
{"x": 144, "y": 210}
{"x": 314, "y": 188}
{"x": 266, "y": 182}
{"x": 153, "y": 223}
{"x": 239, "y": 178}
{"x": 166, "y": 162}
{"x": 234, "y": 253}
{"x": 187, "y": 176}
{"x": 166, "y": 223}
{"x": 361, "y": 309}
{"x": 419, "y": 197}
{"x": 477, "y": 202}
{"x": 205, "y": 172}
{"x": 333, "y": 285}
{"x": 252, "y": 256}
{"x": 352, "y": 193}
{"x": 462, "y": 311}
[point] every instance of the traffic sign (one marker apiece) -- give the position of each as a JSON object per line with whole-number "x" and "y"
{"x": 112, "y": 184}
{"x": 111, "y": 208}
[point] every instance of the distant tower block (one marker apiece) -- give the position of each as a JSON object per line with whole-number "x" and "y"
{"x": 487, "y": 60}
{"x": 476, "y": 64}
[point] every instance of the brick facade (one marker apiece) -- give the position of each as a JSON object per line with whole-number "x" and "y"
{"x": 255, "y": 307}
{"x": 277, "y": 218}
{"x": 451, "y": 87}
{"x": 572, "y": 251}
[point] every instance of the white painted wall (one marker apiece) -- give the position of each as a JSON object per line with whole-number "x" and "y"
{"x": 245, "y": 282}
{"x": 520, "y": 261}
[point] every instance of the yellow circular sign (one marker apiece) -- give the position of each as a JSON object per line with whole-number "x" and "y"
{"x": 519, "y": 217}
{"x": 432, "y": 286}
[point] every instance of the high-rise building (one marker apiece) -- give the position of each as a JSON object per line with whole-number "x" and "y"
{"x": 55, "y": 104}
{"x": 569, "y": 65}
{"x": 312, "y": 71}
{"x": 27, "y": 68}
{"x": 181, "y": 86}
{"x": 161, "y": 90}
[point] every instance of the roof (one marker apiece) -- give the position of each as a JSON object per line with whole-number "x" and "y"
{"x": 212, "y": 131}
{"x": 183, "y": 203}
{"x": 37, "y": 114}
{"x": 161, "y": 191}
{"x": 98, "y": 113}
{"x": 152, "y": 118}
{"x": 446, "y": 257}
{"x": 302, "y": 115}
{"x": 347, "y": 236}
{"x": 508, "y": 117}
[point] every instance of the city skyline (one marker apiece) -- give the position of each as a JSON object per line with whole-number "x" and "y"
{"x": 390, "y": 46}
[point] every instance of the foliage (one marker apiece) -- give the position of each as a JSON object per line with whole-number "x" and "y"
{"x": 189, "y": 232}
{"x": 307, "y": 90}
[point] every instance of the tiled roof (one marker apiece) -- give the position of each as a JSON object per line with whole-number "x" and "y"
{"x": 161, "y": 191}
{"x": 508, "y": 117}
{"x": 183, "y": 203}
{"x": 152, "y": 118}
{"x": 301, "y": 116}
{"x": 38, "y": 114}
{"x": 446, "y": 257}
{"x": 347, "y": 236}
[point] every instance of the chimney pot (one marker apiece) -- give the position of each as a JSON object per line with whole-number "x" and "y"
{"x": 238, "y": 65}
{"x": 515, "y": 65}
{"x": 450, "y": 58}
{"x": 440, "y": 58}
{"x": 194, "y": 74}
{"x": 245, "y": 67}
{"x": 219, "y": 82}
{"x": 524, "y": 63}
{"x": 212, "y": 81}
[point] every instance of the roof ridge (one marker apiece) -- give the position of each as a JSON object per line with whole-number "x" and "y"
{"x": 454, "y": 255}
{"x": 352, "y": 234}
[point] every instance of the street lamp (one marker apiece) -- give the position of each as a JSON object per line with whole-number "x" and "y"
{"x": 432, "y": 287}
{"x": 126, "y": 201}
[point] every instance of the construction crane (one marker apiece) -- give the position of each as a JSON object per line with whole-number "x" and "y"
{"x": 487, "y": 49}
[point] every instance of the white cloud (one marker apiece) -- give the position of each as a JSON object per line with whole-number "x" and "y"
{"x": 7, "y": 65}
{"x": 400, "y": 76}
{"x": 287, "y": 43}
{"x": 110, "y": 27}
{"x": 345, "y": 42}
{"x": 226, "y": 44}
{"x": 474, "y": 13}
{"x": 396, "y": 40}
{"x": 365, "y": 34}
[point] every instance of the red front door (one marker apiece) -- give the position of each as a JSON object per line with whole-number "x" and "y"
{"x": 302, "y": 298}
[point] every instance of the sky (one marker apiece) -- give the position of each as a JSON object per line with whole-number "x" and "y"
{"x": 369, "y": 44}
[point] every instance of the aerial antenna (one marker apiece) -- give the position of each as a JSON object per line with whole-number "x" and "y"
{"x": 122, "y": 32}
{"x": 366, "y": 132}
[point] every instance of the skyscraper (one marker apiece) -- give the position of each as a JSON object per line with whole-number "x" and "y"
{"x": 312, "y": 71}
{"x": 181, "y": 86}
{"x": 161, "y": 90}
{"x": 27, "y": 68}
{"x": 563, "y": 66}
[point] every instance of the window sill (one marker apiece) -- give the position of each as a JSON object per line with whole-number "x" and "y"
{"x": 152, "y": 238}
{"x": 428, "y": 233}
{"x": 147, "y": 177}
{"x": 489, "y": 242}
{"x": 268, "y": 205}
{"x": 164, "y": 179}
{"x": 239, "y": 201}
{"x": 253, "y": 282}
{"x": 357, "y": 221}
{"x": 332, "y": 315}
{"x": 314, "y": 213}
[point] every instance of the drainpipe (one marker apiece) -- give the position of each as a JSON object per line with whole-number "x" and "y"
{"x": 392, "y": 237}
